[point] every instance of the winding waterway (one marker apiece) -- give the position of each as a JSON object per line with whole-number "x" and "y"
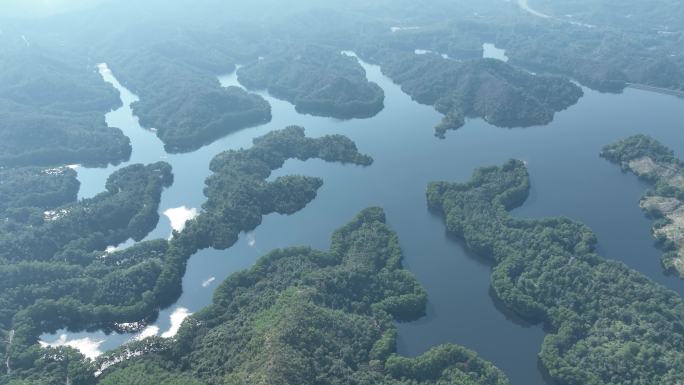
{"x": 568, "y": 178}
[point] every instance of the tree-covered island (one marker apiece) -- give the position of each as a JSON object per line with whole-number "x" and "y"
{"x": 318, "y": 80}
{"x": 489, "y": 89}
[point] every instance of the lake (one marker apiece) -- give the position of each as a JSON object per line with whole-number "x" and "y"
{"x": 568, "y": 178}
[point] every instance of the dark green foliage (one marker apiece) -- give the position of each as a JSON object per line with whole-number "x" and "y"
{"x": 180, "y": 96}
{"x": 54, "y": 272}
{"x": 52, "y": 107}
{"x": 239, "y": 194}
{"x": 33, "y": 187}
{"x": 607, "y": 324}
{"x": 317, "y": 80}
{"x": 57, "y": 366}
{"x": 128, "y": 209}
{"x": 148, "y": 373}
{"x": 490, "y": 89}
{"x": 638, "y": 146}
{"x": 301, "y": 316}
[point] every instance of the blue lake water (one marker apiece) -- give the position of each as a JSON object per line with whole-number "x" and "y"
{"x": 568, "y": 178}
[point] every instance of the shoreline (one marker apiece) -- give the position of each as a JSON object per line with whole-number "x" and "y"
{"x": 664, "y": 91}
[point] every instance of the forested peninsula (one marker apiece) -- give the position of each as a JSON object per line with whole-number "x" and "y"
{"x": 57, "y": 271}
{"x": 648, "y": 159}
{"x": 52, "y": 106}
{"x": 239, "y": 195}
{"x": 179, "y": 94}
{"x": 318, "y": 80}
{"x": 302, "y": 316}
{"x": 547, "y": 271}
{"x": 54, "y": 271}
{"x": 489, "y": 89}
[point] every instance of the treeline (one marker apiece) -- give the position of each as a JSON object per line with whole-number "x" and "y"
{"x": 127, "y": 209}
{"x": 490, "y": 89}
{"x": 650, "y": 160}
{"x": 33, "y": 187}
{"x": 55, "y": 272}
{"x": 179, "y": 94}
{"x": 239, "y": 195}
{"x": 302, "y": 316}
{"x": 621, "y": 51}
{"x": 607, "y": 324}
{"x": 318, "y": 80}
{"x": 52, "y": 106}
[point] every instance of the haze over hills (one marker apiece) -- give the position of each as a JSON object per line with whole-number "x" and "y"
{"x": 43, "y": 8}
{"x": 174, "y": 175}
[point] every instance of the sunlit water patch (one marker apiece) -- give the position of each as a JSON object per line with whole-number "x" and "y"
{"x": 178, "y": 216}
{"x": 490, "y": 51}
{"x": 89, "y": 347}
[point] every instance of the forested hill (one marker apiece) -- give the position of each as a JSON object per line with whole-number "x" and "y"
{"x": 317, "y": 80}
{"x": 52, "y": 106}
{"x": 302, "y": 316}
{"x": 56, "y": 270}
{"x": 650, "y": 160}
{"x": 546, "y": 270}
{"x": 490, "y": 89}
{"x": 180, "y": 96}
{"x": 239, "y": 195}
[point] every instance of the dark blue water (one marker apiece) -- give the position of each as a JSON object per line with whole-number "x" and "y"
{"x": 568, "y": 178}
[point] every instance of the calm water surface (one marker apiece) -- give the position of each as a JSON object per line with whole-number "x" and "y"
{"x": 568, "y": 178}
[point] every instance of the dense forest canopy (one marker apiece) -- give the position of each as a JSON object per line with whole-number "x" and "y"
{"x": 302, "y": 316}
{"x": 173, "y": 69}
{"x": 317, "y": 80}
{"x": 52, "y": 106}
{"x": 53, "y": 265}
{"x": 56, "y": 268}
{"x": 180, "y": 96}
{"x": 239, "y": 195}
{"x": 486, "y": 88}
{"x": 607, "y": 324}
{"x": 36, "y": 187}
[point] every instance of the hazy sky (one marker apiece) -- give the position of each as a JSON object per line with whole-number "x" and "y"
{"x": 39, "y": 8}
